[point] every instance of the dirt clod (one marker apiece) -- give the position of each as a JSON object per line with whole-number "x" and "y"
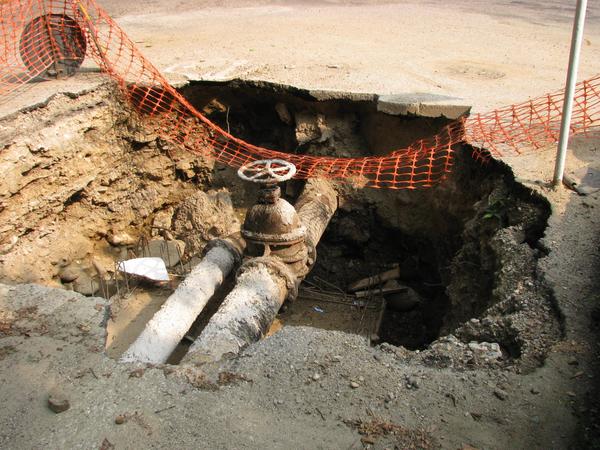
{"x": 204, "y": 216}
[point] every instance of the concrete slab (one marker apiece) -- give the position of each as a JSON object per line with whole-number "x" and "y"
{"x": 427, "y": 105}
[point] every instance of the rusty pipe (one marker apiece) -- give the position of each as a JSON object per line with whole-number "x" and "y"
{"x": 247, "y": 312}
{"x": 316, "y": 206}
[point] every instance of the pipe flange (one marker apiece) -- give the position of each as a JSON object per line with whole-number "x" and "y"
{"x": 293, "y": 237}
{"x": 230, "y": 243}
{"x": 276, "y": 266}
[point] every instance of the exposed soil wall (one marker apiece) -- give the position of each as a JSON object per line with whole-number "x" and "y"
{"x": 78, "y": 171}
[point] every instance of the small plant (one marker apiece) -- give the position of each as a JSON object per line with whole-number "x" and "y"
{"x": 496, "y": 210}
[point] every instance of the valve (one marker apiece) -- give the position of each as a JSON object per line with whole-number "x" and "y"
{"x": 272, "y": 228}
{"x": 267, "y": 171}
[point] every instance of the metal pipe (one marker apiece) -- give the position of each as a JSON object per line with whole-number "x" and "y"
{"x": 316, "y": 206}
{"x": 169, "y": 325}
{"x": 563, "y": 140}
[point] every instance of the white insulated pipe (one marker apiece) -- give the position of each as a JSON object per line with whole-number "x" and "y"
{"x": 169, "y": 325}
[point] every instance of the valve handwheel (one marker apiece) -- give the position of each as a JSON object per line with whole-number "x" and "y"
{"x": 267, "y": 171}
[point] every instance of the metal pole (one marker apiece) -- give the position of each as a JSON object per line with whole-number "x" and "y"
{"x": 576, "y": 38}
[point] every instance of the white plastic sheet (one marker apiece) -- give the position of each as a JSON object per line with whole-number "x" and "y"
{"x": 151, "y": 268}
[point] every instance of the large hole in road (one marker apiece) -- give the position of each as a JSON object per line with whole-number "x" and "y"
{"x": 466, "y": 250}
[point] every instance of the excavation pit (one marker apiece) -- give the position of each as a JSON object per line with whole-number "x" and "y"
{"x": 466, "y": 249}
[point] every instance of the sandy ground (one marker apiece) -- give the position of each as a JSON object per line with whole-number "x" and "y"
{"x": 484, "y": 53}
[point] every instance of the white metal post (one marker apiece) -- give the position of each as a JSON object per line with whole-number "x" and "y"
{"x": 563, "y": 140}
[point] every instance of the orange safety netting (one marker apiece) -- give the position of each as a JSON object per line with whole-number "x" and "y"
{"x": 34, "y": 34}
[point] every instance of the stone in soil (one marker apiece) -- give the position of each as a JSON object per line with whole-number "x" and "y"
{"x": 69, "y": 274}
{"x": 85, "y": 284}
{"x": 121, "y": 239}
{"x": 204, "y": 216}
{"x": 402, "y": 301}
{"x": 501, "y": 394}
{"x": 58, "y": 403}
{"x": 170, "y": 251}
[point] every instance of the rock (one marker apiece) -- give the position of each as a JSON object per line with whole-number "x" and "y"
{"x": 58, "y": 403}
{"x": 307, "y": 128}
{"x": 69, "y": 274}
{"x": 402, "y": 301}
{"x": 412, "y": 382}
{"x": 85, "y": 284}
{"x": 204, "y": 216}
{"x": 153, "y": 167}
{"x": 170, "y": 251}
{"x": 316, "y": 377}
{"x": 501, "y": 394}
{"x": 354, "y": 385}
{"x": 283, "y": 113}
{"x": 486, "y": 350}
{"x": 8, "y": 246}
{"x": 534, "y": 391}
{"x": 214, "y": 106}
{"x": 120, "y": 239}
{"x": 162, "y": 221}
{"x": 188, "y": 166}
{"x": 120, "y": 419}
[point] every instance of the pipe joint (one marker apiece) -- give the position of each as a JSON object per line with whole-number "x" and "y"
{"x": 276, "y": 268}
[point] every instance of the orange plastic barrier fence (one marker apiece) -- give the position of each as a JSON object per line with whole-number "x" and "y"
{"x": 35, "y": 34}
